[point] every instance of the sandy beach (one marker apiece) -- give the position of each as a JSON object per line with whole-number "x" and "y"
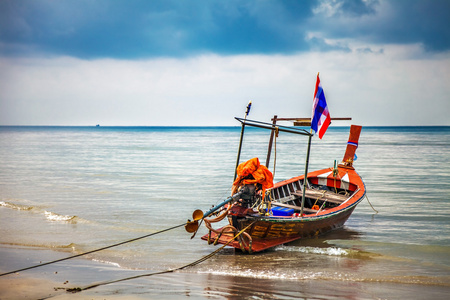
{"x": 52, "y": 280}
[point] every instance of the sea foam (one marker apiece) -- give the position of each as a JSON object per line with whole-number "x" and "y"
{"x": 57, "y": 217}
{"x": 50, "y": 216}
{"x": 331, "y": 251}
{"x": 15, "y": 206}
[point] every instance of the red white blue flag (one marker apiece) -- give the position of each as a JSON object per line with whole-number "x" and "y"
{"x": 320, "y": 119}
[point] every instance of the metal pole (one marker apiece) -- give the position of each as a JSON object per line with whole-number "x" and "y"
{"x": 242, "y": 137}
{"x": 269, "y": 150}
{"x": 306, "y": 174}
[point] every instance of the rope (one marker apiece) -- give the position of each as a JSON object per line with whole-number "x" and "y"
{"x": 93, "y": 251}
{"x": 323, "y": 204}
{"x": 335, "y": 188}
{"x": 320, "y": 196}
{"x": 78, "y": 289}
{"x": 371, "y": 204}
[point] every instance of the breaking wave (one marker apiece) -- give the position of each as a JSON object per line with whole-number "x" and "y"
{"x": 57, "y": 217}
{"x": 50, "y": 216}
{"x": 107, "y": 262}
{"x": 331, "y": 251}
{"x": 15, "y": 206}
{"x": 327, "y": 275}
{"x": 53, "y": 246}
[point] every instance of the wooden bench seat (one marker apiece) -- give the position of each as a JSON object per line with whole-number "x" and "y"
{"x": 322, "y": 195}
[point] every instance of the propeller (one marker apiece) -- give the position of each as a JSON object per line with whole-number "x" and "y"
{"x": 192, "y": 226}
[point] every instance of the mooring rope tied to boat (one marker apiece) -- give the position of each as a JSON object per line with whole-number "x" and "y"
{"x": 371, "y": 204}
{"x": 93, "y": 251}
{"x": 202, "y": 259}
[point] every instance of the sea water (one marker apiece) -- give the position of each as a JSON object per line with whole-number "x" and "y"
{"x": 76, "y": 189}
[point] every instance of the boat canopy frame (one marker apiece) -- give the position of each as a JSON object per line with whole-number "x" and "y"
{"x": 274, "y": 127}
{"x": 270, "y": 126}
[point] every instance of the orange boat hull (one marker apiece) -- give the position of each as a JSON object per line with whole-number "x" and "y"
{"x": 270, "y": 231}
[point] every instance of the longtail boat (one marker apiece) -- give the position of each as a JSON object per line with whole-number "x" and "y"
{"x": 262, "y": 215}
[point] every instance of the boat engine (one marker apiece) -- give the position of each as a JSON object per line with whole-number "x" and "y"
{"x": 250, "y": 195}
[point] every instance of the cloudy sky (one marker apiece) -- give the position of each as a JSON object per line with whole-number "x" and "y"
{"x": 199, "y": 62}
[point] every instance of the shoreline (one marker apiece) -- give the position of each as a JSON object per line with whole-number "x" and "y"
{"x": 51, "y": 281}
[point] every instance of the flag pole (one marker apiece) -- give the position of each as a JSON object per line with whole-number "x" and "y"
{"x": 249, "y": 105}
{"x": 305, "y": 178}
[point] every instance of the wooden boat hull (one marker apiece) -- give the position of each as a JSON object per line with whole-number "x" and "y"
{"x": 270, "y": 231}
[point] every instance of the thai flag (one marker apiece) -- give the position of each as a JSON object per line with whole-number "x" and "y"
{"x": 320, "y": 119}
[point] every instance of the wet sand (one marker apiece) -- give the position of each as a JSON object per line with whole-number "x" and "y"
{"x": 51, "y": 282}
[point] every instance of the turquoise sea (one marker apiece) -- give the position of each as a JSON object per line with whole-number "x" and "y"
{"x": 68, "y": 190}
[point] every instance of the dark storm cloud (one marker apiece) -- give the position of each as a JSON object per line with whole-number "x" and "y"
{"x": 140, "y": 29}
{"x": 132, "y": 29}
{"x": 425, "y": 22}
